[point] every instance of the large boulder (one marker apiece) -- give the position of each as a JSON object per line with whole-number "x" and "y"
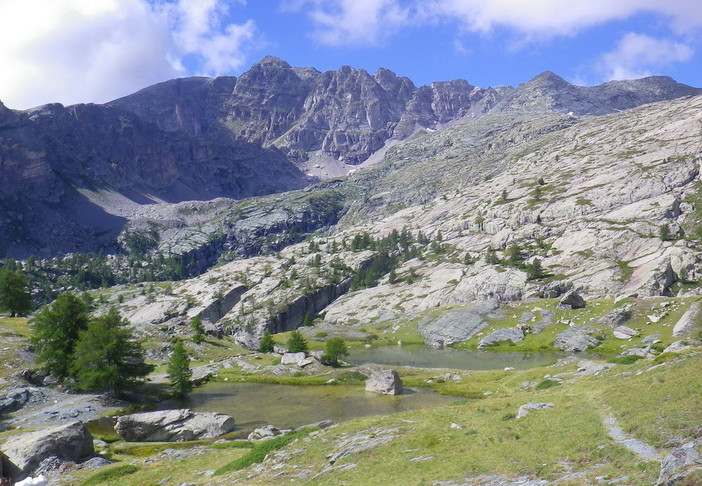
{"x": 452, "y": 327}
{"x": 385, "y": 382}
{"x": 577, "y": 338}
{"x": 512, "y": 335}
{"x": 14, "y": 399}
{"x": 173, "y": 426}
{"x": 572, "y": 300}
{"x": 70, "y": 443}
{"x": 292, "y": 358}
{"x": 689, "y": 321}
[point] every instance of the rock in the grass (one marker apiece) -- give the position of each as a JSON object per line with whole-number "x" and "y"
{"x": 681, "y": 461}
{"x": 689, "y": 321}
{"x": 71, "y": 443}
{"x": 306, "y": 362}
{"x": 264, "y": 433}
{"x": 676, "y": 347}
{"x": 623, "y": 332}
{"x": 527, "y": 407}
{"x": 385, "y": 382}
{"x": 546, "y": 320}
{"x": 512, "y": 334}
{"x": 13, "y": 399}
{"x": 292, "y": 358}
{"x": 577, "y": 338}
{"x": 642, "y": 352}
{"x": 454, "y": 326}
{"x": 652, "y": 339}
{"x": 617, "y": 317}
{"x": 173, "y": 426}
{"x": 572, "y": 300}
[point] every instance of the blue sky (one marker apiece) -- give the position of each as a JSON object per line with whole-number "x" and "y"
{"x": 73, "y": 51}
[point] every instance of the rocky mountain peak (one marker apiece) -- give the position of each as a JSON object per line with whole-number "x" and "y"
{"x": 267, "y": 130}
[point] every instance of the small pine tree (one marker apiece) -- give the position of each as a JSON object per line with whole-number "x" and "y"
{"x": 179, "y": 372}
{"x": 491, "y": 257}
{"x": 267, "y": 343}
{"x": 664, "y": 232}
{"x": 14, "y": 293}
{"x": 335, "y": 349}
{"x": 504, "y": 197}
{"x": 198, "y": 330}
{"x": 535, "y": 270}
{"x": 537, "y": 194}
{"x": 307, "y": 320}
{"x": 297, "y": 343}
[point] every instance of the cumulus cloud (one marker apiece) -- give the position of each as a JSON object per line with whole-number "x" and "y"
{"x": 639, "y": 55}
{"x": 352, "y": 22}
{"x": 344, "y": 21}
{"x": 74, "y": 51}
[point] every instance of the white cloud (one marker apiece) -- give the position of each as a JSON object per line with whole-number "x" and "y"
{"x": 639, "y": 55}
{"x": 74, "y": 51}
{"x": 365, "y": 21}
{"x": 349, "y": 22}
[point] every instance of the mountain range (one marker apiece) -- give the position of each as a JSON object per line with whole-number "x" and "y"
{"x": 72, "y": 178}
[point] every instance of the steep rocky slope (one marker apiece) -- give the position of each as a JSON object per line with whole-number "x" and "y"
{"x": 71, "y": 177}
{"x": 609, "y": 206}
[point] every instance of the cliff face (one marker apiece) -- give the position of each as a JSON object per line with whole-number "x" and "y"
{"x": 71, "y": 176}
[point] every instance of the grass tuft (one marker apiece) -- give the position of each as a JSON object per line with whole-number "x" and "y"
{"x": 261, "y": 450}
{"x": 110, "y": 475}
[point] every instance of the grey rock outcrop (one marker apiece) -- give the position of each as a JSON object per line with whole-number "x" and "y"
{"x": 292, "y": 358}
{"x": 572, "y": 300}
{"x": 173, "y": 426}
{"x": 528, "y": 407}
{"x": 13, "y": 399}
{"x": 512, "y": 335}
{"x": 624, "y": 332}
{"x": 616, "y": 318}
{"x": 680, "y": 462}
{"x": 264, "y": 433}
{"x": 71, "y": 443}
{"x": 577, "y": 338}
{"x": 384, "y": 382}
{"x": 689, "y": 321}
{"x": 452, "y": 327}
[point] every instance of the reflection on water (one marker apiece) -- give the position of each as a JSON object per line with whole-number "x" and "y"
{"x": 462, "y": 359}
{"x": 293, "y": 406}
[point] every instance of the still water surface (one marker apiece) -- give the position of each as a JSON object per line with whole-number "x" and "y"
{"x": 462, "y": 359}
{"x": 294, "y": 405}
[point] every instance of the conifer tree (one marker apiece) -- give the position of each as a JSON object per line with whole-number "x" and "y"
{"x": 335, "y": 349}
{"x": 56, "y": 331}
{"x": 14, "y": 295}
{"x": 179, "y": 372}
{"x": 296, "y": 343}
{"x": 108, "y": 357}
{"x": 266, "y": 344}
{"x": 198, "y": 330}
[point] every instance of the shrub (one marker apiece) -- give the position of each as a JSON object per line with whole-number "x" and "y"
{"x": 546, "y": 384}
